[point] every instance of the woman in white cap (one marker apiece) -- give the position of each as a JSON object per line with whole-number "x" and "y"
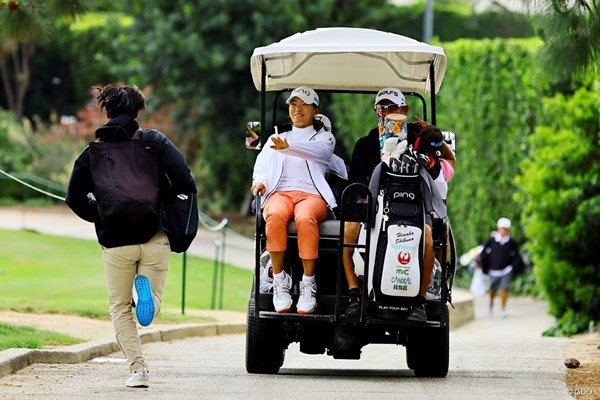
{"x": 290, "y": 174}
{"x": 500, "y": 255}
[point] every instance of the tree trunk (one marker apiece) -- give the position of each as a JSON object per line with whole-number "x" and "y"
{"x": 15, "y": 89}
{"x": 23, "y": 76}
{"x": 7, "y": 84}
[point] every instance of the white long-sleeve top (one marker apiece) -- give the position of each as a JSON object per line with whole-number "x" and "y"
{"x": 315, "y": 149}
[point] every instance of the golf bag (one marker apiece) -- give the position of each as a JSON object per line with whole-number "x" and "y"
{"x": 397, "y": 267}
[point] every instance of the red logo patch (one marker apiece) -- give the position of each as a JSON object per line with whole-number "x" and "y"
{"x": 404, "y": 257}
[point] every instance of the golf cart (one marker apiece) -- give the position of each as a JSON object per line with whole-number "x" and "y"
{"x": 352, "y": 60}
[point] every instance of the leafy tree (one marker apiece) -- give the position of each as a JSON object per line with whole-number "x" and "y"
{"x": 559, "y": 178}
{"x": 561, "y": 193}
{"x": 15, "y": 153}
{"x": 74, "y": 59}
{"x": 23, "y": 26}
{"x": 196, "y": 55}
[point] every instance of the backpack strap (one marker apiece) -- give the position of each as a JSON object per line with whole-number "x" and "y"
{"x": 137, "y": 135}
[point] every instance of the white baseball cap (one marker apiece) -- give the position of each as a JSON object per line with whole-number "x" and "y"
{"x": 503, "y": 223}
{"x": 308, "y": 95}
{"x": 326, "y": 121}
{"x": 392, "y": 94}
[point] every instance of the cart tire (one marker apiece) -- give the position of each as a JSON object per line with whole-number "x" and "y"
{"x": 265, "y": 344}
{"x": 428, "y": 350}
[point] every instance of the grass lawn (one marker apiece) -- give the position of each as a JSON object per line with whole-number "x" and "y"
{"x": 31, "y": 338}
{"x": 55, "y": 274}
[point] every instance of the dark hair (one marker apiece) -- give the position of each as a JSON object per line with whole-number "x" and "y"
{"x": 430, "y": 140}
{"x": 121, "y": 99}
{"x": 318, "y": 124}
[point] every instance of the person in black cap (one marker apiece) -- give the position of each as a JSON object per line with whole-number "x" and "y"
{"x": 366, "y": 156}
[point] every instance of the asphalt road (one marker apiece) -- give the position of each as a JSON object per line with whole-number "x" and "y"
{"x": 490, "y": 358}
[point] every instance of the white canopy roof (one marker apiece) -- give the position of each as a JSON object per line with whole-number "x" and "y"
{"x": 352, "y": 59}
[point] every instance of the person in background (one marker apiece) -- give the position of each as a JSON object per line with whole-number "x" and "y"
{"x": 499, "y": 257}
{"x": 290, "y": 175}
{"x": 252, "y": 138}
{"x": 337, "y": 164}
{"x": 135, "y": 253}
{"x": 441, "y": 170}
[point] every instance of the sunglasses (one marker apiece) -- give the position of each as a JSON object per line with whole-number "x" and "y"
{"x": 389, "y": 107}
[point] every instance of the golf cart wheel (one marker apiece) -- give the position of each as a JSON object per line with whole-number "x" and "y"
{"x": 265, "y": 345}
{"x": 428, "y": 349}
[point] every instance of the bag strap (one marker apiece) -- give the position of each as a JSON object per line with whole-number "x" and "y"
{"x": 137, "y": 135}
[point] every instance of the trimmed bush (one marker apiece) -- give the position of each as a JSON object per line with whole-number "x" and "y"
{"x": 561, "y": 197}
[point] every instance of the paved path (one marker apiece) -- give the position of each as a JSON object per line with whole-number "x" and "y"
{"x": 490, "y": 358}
{"x": 61, "y": 221}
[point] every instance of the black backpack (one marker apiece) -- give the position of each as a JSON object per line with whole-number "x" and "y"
{"x": 126, "y": 178}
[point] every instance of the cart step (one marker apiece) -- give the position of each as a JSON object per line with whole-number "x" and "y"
{"x": 342, "y": 318}
{"x": 293, "y": 316}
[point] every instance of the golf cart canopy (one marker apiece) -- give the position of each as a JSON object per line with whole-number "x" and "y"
{"x": 348, "y": 59}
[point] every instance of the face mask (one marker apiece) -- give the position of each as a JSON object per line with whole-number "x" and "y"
{"x": 392, "y": 126}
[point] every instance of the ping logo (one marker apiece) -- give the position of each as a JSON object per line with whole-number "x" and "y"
{"x": 403, "y": 195}
{"x": 301, "y": 90}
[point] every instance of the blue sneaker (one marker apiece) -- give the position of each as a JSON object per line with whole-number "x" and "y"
{"x": 144, "y": 304}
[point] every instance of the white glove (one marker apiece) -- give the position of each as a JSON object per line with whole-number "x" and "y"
{"x": 399, "y": 149}
{"x": 392, "y": 149}
{"x": 388, "y": 146}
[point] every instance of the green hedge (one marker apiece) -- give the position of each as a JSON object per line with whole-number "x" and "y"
{"x": 490, "y": 99}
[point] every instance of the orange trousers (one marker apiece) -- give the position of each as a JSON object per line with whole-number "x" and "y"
{"x": 308, "y": 211}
